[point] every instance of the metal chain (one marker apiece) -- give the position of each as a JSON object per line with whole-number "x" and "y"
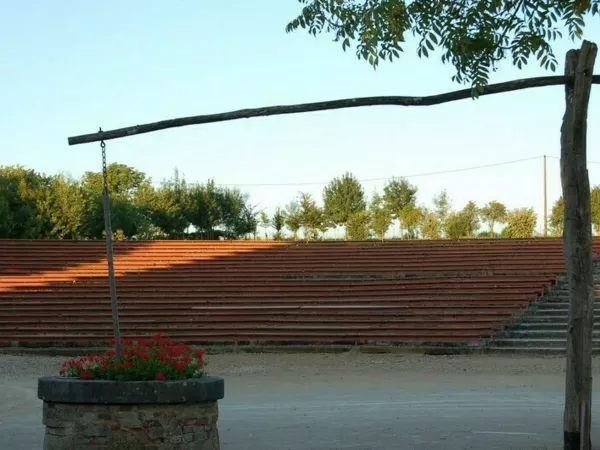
{"x": 104, "y": 171}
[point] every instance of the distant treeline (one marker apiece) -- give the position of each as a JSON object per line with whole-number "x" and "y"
{"x": 37, "y": 206}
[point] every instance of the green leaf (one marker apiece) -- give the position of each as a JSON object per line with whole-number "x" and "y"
{"x": 345, "y": 44}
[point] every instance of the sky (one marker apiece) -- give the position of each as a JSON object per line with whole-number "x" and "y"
{"x": 69, "y": 67}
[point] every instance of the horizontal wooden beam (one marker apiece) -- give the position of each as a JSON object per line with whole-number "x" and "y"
{"x": 324, "y": 106}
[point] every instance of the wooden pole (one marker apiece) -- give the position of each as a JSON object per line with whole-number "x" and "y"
{"x": 109, "y": 254}
{"x": 545, "y": 201}
{"x": 577, "y": 239}
{"x": 391, "y": 100}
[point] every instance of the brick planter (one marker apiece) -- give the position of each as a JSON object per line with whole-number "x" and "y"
{"x": 99, "y": 414}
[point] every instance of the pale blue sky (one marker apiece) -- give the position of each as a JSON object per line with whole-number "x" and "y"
{"x": 69, "y": 67}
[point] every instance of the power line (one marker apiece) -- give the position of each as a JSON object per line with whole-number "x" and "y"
{"x": 365, "y": 180}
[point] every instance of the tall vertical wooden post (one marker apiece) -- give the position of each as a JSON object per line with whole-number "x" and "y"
{"x": 577, "y": 239}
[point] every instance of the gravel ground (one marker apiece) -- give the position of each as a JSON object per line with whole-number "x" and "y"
{"x": 350, "y": 401}
{"x": 240, "y": 364}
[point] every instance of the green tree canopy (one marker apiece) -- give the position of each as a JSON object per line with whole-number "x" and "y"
{"x": 173, "y": 207}
{"x": 278, "y": 222}
{"x": 239, "y": 218}
{"x": 463, "y": 223}
{"x": 471, "y": 216}
{"x": 493, "y": 213}
{"x": 431, "y": 225}
{"x": 473, "y": 36}
{"x": 456, "y": 226}
{"x": 595, "y": 203}
{"x": 400, "y": 198}
{"x": 123, "y": 182}
{"x": 265, "y": 222}
{"x": 520, "y": 223}
{"x": 293, "y": 218}
{"x": 357, "y": 226}
{"x": 557, "y": 214}
{"x": 411, "y": 217}
{"x": 381, "y": 218}
{"x": 343, "y": 197}
{"x": 61, "y": 204}
{"x": 312, "y": 217}
{"x": 205, "y": 206}
{"x": 21, "y": 191}
{"x": 442, "y": 205}
{"x": 557, "y": 217}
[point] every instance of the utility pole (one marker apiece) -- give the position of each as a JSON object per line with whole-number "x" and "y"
{"x": 545, "y": 202}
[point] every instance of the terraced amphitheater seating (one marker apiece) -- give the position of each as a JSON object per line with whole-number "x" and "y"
{"x": 417, "y": 292}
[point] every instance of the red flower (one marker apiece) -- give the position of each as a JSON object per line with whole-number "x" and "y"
{"x": 163, "y": 356}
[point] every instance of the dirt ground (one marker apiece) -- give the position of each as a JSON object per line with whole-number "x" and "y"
{"x": 350, "y": 401}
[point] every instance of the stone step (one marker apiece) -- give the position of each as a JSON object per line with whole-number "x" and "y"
{"x": 551, "y": 306}
{"x": 562, "y": 299}
{"x": 555, "y": 312}
{"x": 554, "y": 303}
{"x": 536, "y": 342}
{"x": 533, "y": 350}
{"x": 545, "y": 319}
{"x": 560, "y": 326}
{"x": 543, "y": 334}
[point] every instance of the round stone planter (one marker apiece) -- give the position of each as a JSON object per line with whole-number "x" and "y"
{"x": 99, "y": 414}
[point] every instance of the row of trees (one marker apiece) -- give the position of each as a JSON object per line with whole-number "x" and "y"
{"x": 36, "y": 206}
{"x": 345, "y": 206}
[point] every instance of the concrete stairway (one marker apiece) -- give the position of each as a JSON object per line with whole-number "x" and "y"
{"x": 543, "y": 328}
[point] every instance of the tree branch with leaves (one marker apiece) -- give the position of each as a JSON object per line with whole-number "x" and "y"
{"x": 472, "y": 35}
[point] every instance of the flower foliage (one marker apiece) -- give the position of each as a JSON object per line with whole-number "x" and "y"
{"x": 472, "y": 35}
{"x": 156, "y": 358}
